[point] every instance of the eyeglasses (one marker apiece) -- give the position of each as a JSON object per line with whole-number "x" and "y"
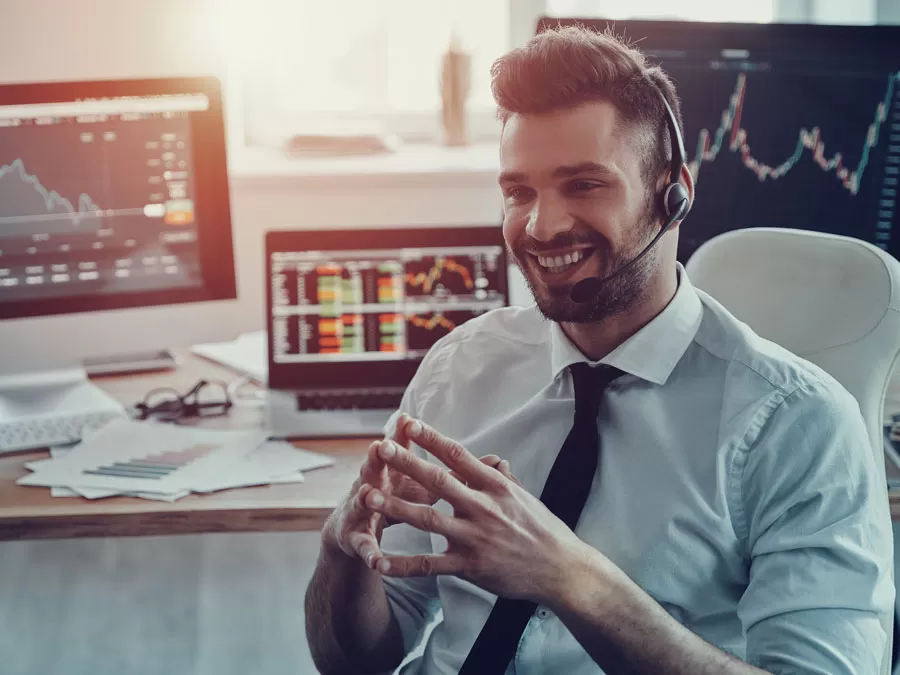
{"x": 205, "y": 399}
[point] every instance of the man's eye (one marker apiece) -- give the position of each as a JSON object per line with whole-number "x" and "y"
{"x": 584, "y": 185}
{"x": 516, "y": 194}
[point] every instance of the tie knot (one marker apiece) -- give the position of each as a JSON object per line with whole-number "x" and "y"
{"x": 590, "y": 383}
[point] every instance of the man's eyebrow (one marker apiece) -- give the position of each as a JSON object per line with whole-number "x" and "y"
{"x": 558, "y": 172}
{"x": 584, "y": 167}
{"x": 511, "y": 177}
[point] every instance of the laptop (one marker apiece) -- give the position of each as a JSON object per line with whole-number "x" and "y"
{"x": 351, "y": 313}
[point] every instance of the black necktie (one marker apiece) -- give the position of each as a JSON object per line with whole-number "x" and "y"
{"x": 565, "y": 493}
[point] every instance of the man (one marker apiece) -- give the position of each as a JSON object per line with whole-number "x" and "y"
{"x": 735, "y": 523}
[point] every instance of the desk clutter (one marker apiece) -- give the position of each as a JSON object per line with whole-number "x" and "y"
{"x": 159, "y": 461}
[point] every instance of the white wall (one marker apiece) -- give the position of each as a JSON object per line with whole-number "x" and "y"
{"x": 46, "y": 40}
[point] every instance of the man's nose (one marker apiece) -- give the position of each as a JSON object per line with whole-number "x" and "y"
{"x": 548, "y": 217}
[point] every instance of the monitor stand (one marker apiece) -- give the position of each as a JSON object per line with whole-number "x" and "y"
{"x": 51, "y": 408}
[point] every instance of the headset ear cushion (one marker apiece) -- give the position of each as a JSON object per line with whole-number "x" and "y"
{"x": 676, "y": 201}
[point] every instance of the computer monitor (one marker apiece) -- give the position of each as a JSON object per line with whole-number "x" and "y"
{"x": 113, "y": 196}
{"x": 352, "y": 313}
{"x": 786, "y": 125}
{"x": 349, "y": 308}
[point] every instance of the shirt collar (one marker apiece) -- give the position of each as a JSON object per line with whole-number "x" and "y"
{"x": 650, "y": 354}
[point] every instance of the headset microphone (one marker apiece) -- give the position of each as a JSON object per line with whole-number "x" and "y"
{"x": 675, "y": 205}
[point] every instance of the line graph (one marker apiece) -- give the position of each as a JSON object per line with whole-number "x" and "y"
{"x": 427, "y": 279}
{"x": 53, "y": 201}
{"x": 432, "y": 323}
{"x": 807, "y": 139}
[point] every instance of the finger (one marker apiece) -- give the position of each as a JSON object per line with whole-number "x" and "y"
{"x": 400, "y": 436}
{"x": 354, "y": 532}
{"x": 366, "y": 547}
{"x": 421, "y": 517}
{"x": 359, "y": 499}
{"x": 453, "y": 455}
{"x": 406, "y": 488}
{"x": 433, "y": 478}
{"x": 421, "y": 565}
{"x": 492, "y": 461}
{"x": 506, "y": 470}
{"x": 373, "y": 468}
{"x": 500, "y": 465}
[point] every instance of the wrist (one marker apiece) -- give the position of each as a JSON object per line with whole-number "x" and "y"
{"x": 330, "y": 545}
{"x": 586, "y": 581}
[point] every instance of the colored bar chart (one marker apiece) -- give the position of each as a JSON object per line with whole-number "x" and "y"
{"x": 391, "y": 332}
{"x": 328, "y": 287}
{"x": 340, "y": 335}
{"x": 154, "y": 466}
{"x": 390, "y": 289}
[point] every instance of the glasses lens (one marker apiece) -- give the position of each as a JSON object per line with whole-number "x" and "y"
{"x": 211, "y": 394}
{"x": 210, "y": 400}
{"x": 164, "y": 404}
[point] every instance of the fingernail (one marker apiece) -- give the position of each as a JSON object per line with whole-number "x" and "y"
{"x": 369, "y": 557}
{"x": 504, "y": 465}
{"x": 387, "y": 450}
{"x": 376, "y": 499}
{"x": 384, "y": 565}
{"x": 415, "y": 428}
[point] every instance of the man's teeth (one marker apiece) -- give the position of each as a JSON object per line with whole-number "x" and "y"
{"x": 560, "y": 263}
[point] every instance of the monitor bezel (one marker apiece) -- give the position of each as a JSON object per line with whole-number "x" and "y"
{"x": 212, "y": 202}
{"x": 356, "y": 373}
{"x": 879, "y": 41}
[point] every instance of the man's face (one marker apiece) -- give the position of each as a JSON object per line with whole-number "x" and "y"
{"x": 575, "y": 206}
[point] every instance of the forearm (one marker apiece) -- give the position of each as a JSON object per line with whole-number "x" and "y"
{"x": 626, "y": 631}
{"x": 349, "y": 623}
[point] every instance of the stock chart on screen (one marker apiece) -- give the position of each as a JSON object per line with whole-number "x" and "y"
{"x": 378, "y": 304}
{"x": 774, "y": 141}
{"x": 97, "y": 197}
{"x": 785, "y": 125}
{"x": 773, "y": 147}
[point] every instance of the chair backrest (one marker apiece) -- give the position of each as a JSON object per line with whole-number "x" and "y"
{"x": 833, "y": 300}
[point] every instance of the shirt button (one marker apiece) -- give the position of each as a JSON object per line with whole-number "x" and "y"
{"x": 543, "y": 613}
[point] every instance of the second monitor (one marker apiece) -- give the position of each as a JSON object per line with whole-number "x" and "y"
{"x": 785, "y": 125}
{"x": 352, "y": 313}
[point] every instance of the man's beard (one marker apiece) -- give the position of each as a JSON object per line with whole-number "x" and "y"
{"x": 616, "y": 295}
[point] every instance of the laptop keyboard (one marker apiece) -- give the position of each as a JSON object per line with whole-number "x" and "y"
{"x": 382, "y": 398}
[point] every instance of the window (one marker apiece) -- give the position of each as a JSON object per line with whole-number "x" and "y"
{"x": 357, "y": 65}
{"x": 351, "y": 66}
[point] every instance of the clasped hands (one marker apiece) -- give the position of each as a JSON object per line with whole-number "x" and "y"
{"x": 500, "y": 537}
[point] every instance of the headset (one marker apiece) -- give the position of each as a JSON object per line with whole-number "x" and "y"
{"x": 675, "y": 202}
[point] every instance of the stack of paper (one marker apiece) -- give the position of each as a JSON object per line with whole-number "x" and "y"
{"x": 159, "y": 461}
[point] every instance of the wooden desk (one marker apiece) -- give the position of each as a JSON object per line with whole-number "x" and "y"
{"x": 31, "y": 513}
{"x": 28, "y": 512}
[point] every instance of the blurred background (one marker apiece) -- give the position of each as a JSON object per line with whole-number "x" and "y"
{"x": 293, "y": 72}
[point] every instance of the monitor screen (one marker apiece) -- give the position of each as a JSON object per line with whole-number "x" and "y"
{"x": 377, "y": 296}
{"x": 785, "y": 125}
{"x": 105, "y": 201}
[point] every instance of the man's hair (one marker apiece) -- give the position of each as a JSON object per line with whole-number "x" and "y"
{"x": 564, "y": 67}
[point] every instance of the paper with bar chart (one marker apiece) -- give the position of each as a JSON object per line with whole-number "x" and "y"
{"x": 148, "y": 457}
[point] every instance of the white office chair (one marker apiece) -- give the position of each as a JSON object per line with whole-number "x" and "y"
{"x": 832, "y": 300}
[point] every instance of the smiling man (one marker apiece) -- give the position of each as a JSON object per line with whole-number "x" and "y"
{"x": 622, "y": 478}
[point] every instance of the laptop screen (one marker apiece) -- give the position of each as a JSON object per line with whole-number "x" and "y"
{"x": 363, "y": 307}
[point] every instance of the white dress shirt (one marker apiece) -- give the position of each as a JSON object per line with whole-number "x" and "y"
{"x": 735, "y": 486}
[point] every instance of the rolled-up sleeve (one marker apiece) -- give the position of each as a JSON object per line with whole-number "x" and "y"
{"x": 816, "y": 521}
